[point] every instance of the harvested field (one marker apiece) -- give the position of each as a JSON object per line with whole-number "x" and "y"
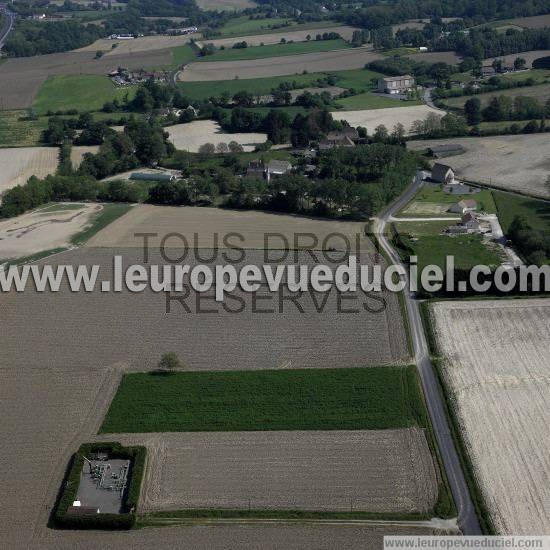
{"x": 225, "y": 5}
{"x": 78, "y": 152}
{"x": 19, "y": 164}
{"x": 190, "y": 136}
{"x": 21, "y": 78}
{"x": 207, "y": 222}
{"x": 528, "y": 56}
{"x": 138, "y": 45}
{"x": 376, "y": 470}
{"x": 44, "y": 229}
{"x": 496, "y": 365}
{"x": 389, "y": 117}
{"x": 516, "y": 163}
{"x": 436, "y": 57}
{"x": 354, "y": 58}
{"x": 534, "y": 22}
{"x": 344, "y": 31}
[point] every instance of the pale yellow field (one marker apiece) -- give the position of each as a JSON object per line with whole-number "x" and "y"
{"x": 372, "y": 118}
{"x": 528, "y": 56}
{"x": 17, "y": 165}
{"x": 44, "y": 229}
{"x": 137, "y": 45}
{"x": 496, "y": 362}
{"x": 344, "y": 31}
{"x": 338, "y": 60}
{"x": 516, "y": 163}
{"x": 190, "y": 136}
{"x": 78, "y": 152}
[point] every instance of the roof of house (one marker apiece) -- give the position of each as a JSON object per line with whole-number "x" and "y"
{"x": 439, "y": 171}
{"x": 396, "y": 78}
{"x": 469, "y": 217}
{"x": 467, "y": 203}
{"x": 340, "y": 141}
{"x": 346, "y": 131}
{"x": 279, "y": 166}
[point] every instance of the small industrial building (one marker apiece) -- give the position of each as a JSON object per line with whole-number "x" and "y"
{"x": 463, "y": 206}
{"x": 396, "y": 84}
{"x": 446, "y": 150}
{"x": 441, "y": 173}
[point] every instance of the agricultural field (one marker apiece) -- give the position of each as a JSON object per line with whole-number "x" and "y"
{"x": 297, "y": 33}
{"x": 436, "y": 57}
{"x": 353, "y": 58}
{"x": 47, "y": 228}
{"x": 252, "y": 226}
{"x": 516, "y": 163}
{"x": 190, "y": 136}
{"x": 536, "y": 212}
{"x": 241, "y": 26}
{"x": 369, "y": 100}
{"x": 82, "y": 92}
{"x": 541, "y": 93}
{"x": 389, "y": 117}
{"x": 528, "y": 56}
{"x": 377, "y": 471}
{"x": 495, "y": 366}
{"x": 138, "y": 45}
{"x": 225, "y": 5}
{"x": 435, "y": 201}
{"x": 267, "y": 400}
{"x": 19, "y": 164}
{"x": 78, "y": 152}
{"x": 432, "y": 248}
{"x": 275, "y": 50}
{"x": 22, "y": 78}
{"x": 533, "y": 22}
{"x": 17, "y": 129}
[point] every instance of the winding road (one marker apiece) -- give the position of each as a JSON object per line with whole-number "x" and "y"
{"x": 8, "y": 23}
{"x": 467, "y": 518}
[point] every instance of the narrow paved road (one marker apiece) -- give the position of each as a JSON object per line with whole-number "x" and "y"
{"x": 8, "y": 22}
{"x": 467, "y": 518}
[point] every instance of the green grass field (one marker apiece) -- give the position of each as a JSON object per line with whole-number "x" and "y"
{"x": 540, "y": 92}
{"x": 435, "y": 194}
{"x": 301, "y": 399}
{"x": 368, "y": 100}
{"x": 359, "y": 79}
{"x": 536, "y": 212}
{"x": 81, "y": 92}
{"x": 276, "y": 50}
{"x": 468, "y": 250}
{"x": 241, "y": 26}
{"x": 17, "y": 131}
{"x": 182, "y": 55}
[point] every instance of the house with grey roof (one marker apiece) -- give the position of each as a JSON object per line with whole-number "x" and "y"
{"x": 278, "y": 168}
{"x": 441, "y": 173}
{"x": 463, "y": 206}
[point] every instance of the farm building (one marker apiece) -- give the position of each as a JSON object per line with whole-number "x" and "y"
{"x": 463, "y": 206}
{"x": 152, "y": 176}
{"x": 487, "y": 71}
{"x": 340, "y": 141}
{"x": 256, "y": 169}
{"x": 441, "y": 173}
{"x": 278, "y": 168}
{"x": 346, "y": 131}
{"x": 396, "y": 84}
{"x": 470, "y": 222}
{"x": 446, "y": 150}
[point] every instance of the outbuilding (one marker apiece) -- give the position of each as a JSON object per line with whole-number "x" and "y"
{"x": 441, "y": 173}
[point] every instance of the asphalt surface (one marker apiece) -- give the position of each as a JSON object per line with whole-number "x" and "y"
{"x": 467, "y": 518}
{"x": 8, "y": 22}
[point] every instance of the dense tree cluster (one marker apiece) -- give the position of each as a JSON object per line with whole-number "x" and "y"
{"x": 532, "y": 244}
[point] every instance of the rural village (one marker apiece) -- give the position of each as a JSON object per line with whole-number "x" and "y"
{"x": 252, "y": 132}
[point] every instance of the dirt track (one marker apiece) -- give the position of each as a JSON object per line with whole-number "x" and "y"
{"x": 373, "y": 471}
{"x": 496, "y": 364}
{"x": 339, "y": 60}
{"x": 43, "y": 229}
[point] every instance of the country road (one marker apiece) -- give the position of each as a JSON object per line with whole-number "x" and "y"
{"x": 8, "y": 23}
{"x": 467, "y": 518}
